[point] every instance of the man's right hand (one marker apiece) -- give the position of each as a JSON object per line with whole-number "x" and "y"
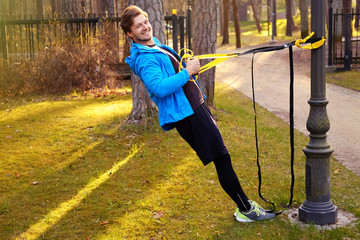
{"x": 193, "y": 66}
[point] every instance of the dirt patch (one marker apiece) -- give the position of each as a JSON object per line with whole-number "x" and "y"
{"x": 345, "y": 219}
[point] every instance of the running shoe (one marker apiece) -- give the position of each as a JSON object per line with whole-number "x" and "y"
{"x": 256, "y": 213}
{"x": 255, "y": 203}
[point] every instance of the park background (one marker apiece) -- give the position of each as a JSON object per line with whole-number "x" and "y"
{"x": 80, "y": 161}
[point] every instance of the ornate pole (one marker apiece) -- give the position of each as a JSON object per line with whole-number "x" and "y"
{"x": 318, "y": 208}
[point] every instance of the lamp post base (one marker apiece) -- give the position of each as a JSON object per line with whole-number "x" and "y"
{"x": 318, "y": 213}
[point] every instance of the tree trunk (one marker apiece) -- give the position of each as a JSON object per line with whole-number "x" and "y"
{"x": 304, "y": 17}
{"x": 143, "y": 107}
{"x": 255, "y": 8}
{"x": 275, "y": 17}
{"x": 357, "y": 11}
{"x": 53, "y": 7}
{"x": 221, "y": 13}
{"x": 293, "y": 7}
{"x": 39, "y": 9}
{"x": 226, "y": 22}
{"x": 289, "y": 18}
{"x": 11, "y": 10}
{"x": 205, "y": 13}
{"x": 236, "y": 23}
{"x": 107, "y": 6}
{"x": 346, "y": 9}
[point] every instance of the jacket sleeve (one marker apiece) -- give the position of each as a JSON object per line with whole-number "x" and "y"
{"x": 151, "y": 72}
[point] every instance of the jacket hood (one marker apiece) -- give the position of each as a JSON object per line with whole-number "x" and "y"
{"x": 136, "y": 49}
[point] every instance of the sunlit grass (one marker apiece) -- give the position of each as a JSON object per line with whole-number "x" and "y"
{"x": 55, "y": 215}
{"x": 163, "y": 192}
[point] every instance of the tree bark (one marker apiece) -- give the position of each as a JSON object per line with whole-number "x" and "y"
{"x": 346, "y": 9}
{"x": 221, "y": 13}
{"x": 289, "y": 18}
{"x": 304, "y": 17}
{"x": 236, "y": 23}
{"x": 275, "y": 17}
{"x": 39, "y": 9}
{"x": 226, "y": 22}
{"x": 205, "y": 41}
{"x": 143, "y": 107}
{"x": 255, "y": 8}
{"x": 53, "y": 7}
{"x": 357, "y": 11}
{"x": 107, "y": 6}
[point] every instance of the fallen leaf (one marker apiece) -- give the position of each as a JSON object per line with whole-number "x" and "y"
{"x": 35, "y": 183}
{"x": 17, "y": 175}
{"x": 337, "y": 171}
{"x": 158, "y": 215}
{"x": 104, "y": 222}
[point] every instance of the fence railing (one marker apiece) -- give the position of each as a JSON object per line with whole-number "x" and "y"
{"x": 344, "y": 39}
{"x": 25, "y": 38}
{"x": 178, "y": 33}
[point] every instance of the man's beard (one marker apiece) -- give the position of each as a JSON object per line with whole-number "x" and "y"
{"x": 144, "y": 39}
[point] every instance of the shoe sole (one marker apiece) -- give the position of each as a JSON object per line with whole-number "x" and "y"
{"x": 242, "y": 219}
{"x": 249, "y": 220}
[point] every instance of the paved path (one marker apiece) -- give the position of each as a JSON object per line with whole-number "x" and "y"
{"x": 272, "y": 92}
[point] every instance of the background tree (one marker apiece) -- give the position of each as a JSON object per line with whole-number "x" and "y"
{"x": 289, "y": 18}
{"x": 226, "y": 22}
{"x": 256, "y": 6}
{"x": 107, "y": 6}
{"x": 236, "y": 23}
{"x": 274, "y": 12}
{"x": 204, "y": 41}
{"x": 346, "y": 8}
{"x": 143, "y": 108}
{"x": 221, "y": 17}
{"x": 304, "y": 17}
{"x": 357, "y": 10}
{"x": 39, "y": 9}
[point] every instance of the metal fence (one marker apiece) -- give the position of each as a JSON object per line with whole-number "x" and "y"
{"x": 344, "y": 39}
{"x": 25, "y": 38}
{"x": 178, "y": 33}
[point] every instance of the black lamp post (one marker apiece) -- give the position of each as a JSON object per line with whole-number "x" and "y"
{"x": 318, "y": 208}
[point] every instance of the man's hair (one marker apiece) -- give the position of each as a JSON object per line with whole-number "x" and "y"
{"x": 128, "y": 15}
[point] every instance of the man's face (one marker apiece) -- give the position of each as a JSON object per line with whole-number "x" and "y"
{"x": 141, "y": 30}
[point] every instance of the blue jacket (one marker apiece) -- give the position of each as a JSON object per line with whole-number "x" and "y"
{"x": 164, "y": 86}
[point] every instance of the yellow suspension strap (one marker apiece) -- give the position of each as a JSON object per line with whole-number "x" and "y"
{"x": 307, "y": 43}
{"x": 313, "y": 43}
{"x": 218, "y": 58}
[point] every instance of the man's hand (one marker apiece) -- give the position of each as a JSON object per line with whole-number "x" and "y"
{"x": 193, "y": 66}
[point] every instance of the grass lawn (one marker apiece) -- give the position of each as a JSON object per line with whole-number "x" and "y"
{"x": 71, "y": 168}
{"x": 348, "y": 79}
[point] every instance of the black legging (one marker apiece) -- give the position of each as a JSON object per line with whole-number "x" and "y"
{"x": 230, "y": 182}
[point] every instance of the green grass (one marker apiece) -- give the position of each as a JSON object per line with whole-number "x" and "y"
{"x": 68, "y": 146}
{"x": 348, "y": 79}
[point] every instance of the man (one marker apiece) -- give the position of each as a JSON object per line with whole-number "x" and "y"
{"x": 182, "y": 106}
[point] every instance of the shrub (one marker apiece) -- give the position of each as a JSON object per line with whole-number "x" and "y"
{"x": 68, "y": 65}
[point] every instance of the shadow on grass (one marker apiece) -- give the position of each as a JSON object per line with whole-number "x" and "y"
{"x": 116, "y": 196}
